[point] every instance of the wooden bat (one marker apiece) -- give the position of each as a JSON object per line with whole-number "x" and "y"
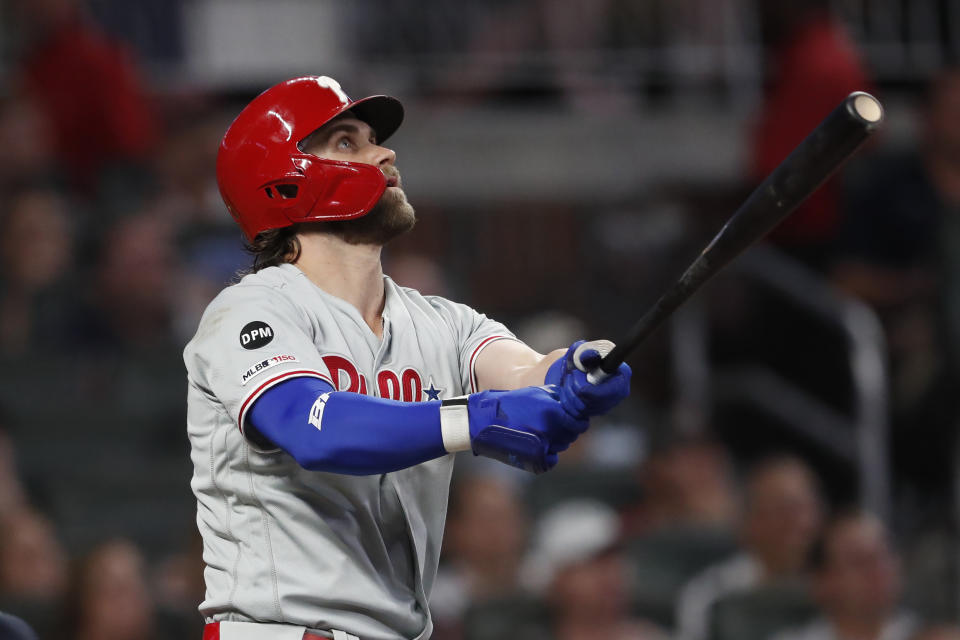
{"x": 819, "y": 155}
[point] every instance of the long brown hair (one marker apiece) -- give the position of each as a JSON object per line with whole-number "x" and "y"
{"x": 274, "y": 247}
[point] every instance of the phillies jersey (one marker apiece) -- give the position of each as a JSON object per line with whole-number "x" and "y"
{"x": 321, "y": 550}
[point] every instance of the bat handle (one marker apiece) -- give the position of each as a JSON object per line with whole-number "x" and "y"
{"x": 610, "y": 363}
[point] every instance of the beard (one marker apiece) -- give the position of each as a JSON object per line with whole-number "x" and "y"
{"x": 390, "y": 217}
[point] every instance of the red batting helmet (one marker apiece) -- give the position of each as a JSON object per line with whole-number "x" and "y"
{"x": 265, "y": 179}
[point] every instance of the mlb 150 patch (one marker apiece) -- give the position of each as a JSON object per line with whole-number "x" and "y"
{"x": 262, "y": 365}
{"x": 256, "y": 334}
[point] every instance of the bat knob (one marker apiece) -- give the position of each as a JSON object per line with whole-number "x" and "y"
{"x": 865, "y": 107}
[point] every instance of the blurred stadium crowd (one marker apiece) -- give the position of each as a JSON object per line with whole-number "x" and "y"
{"x": 717, "y": 506}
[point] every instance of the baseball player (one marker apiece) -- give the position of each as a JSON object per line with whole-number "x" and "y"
{"x": 326, "y": 402}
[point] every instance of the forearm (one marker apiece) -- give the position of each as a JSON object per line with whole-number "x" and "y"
{"x": 536, "y": 374}
{"x": 349, "y": 433}
{"x": 512, "y": 365}
{"x": 354, "y": 434}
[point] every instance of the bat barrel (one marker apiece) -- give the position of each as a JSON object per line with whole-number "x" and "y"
{"x": 805, "y": 169}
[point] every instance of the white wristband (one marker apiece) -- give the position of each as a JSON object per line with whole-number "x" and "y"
{"x": 455, "y": 424}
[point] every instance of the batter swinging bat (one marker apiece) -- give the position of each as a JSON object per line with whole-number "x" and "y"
{"x": 812, "y": 162}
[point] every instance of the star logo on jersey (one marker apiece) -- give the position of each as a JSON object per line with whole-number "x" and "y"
{"x": 432, "y": 392}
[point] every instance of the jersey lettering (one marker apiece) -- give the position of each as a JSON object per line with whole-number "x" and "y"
{"x": 388, "y": 383}
{"x": 344, "y": 375}
{"x": 407, "y": 386}
{"x": 412, "y": 385}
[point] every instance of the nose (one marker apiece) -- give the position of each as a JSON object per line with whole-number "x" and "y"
{"x": 384, "y": 156}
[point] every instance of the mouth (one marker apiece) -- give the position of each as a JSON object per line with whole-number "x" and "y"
{"x": 393, "y": 181}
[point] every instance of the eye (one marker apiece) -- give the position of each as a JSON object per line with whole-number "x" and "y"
{"x": 344, "y": 143}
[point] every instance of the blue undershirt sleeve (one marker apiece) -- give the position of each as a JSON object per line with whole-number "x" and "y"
{"x": 343, "y": 432}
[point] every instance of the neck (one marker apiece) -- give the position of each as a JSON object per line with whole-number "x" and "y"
{"x": 351, "y": 272}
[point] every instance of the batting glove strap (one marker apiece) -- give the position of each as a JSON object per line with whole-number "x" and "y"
{"x": 514, "y": 447}
{"x": 524, "y": 428}
{"x": 455, "y": 424}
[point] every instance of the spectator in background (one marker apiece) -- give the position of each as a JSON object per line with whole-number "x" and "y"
{"x": 86, "y": 86}
{"x": 184, "y": 167}
{"x": 938, "y": 632}
{"x": 813, "y": 65}
{"x": 12, "y": 492}
{"x": 420, "y": 272}
{"x": 27, "y": 151}
{"x": 898, "y": 251}
{"x": 856, "y": 582}
{"x": 132, "y": 307}
{"x": 33, "y": 567}
{"x": 782, "y": 517}
{"x": 108, "y": 597}
{"x": 540, "y": 330}
{"x": 187, "y": 196}
{"x": 483, "y": 547}
{"x": 687, "y": 483}
{"x": 574, "y": 34}
{"x": 13, "y": 628}
{"x": 36, "y": 256}
{"x": 576, "y": 562}
{"x": 178, "y": 584}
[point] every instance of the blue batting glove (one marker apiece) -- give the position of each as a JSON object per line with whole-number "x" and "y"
{"x": 579, "y": 396}
{"x": 524, "y": 428}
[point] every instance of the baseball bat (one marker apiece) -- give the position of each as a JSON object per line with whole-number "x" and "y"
{"x": 806, "y": 168}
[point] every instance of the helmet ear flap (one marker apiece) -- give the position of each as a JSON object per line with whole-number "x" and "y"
{"x": 287, "y": 198}
{"x": 344, "y": 190}
{"x": 284, "y": 190}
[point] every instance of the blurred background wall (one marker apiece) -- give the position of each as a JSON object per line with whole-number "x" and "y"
{"x": 566, "y": 158}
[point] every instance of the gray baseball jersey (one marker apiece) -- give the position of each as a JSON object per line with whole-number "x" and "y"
{"x": 320, "y": 550}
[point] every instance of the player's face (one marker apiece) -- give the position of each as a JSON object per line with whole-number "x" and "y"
{"x": 352, "y": 140}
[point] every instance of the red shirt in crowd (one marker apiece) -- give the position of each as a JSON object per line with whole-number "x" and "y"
{"x": 814, "y": 69}
{"x": 89, "y": 89}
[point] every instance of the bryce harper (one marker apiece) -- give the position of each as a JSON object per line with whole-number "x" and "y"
{"x": 326, "y": 402}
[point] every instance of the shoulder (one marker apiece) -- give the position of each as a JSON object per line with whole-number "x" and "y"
{"x": 268, "y": 287}
{"x": 262, "y": 298}
{"x": 428, "y": 303}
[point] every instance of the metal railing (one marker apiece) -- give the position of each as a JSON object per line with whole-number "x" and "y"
{"x": 904, "y": 39}
{"x": 862, "y": 437}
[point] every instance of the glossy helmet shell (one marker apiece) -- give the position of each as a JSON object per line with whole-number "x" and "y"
{"x": 267, "y": 182}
